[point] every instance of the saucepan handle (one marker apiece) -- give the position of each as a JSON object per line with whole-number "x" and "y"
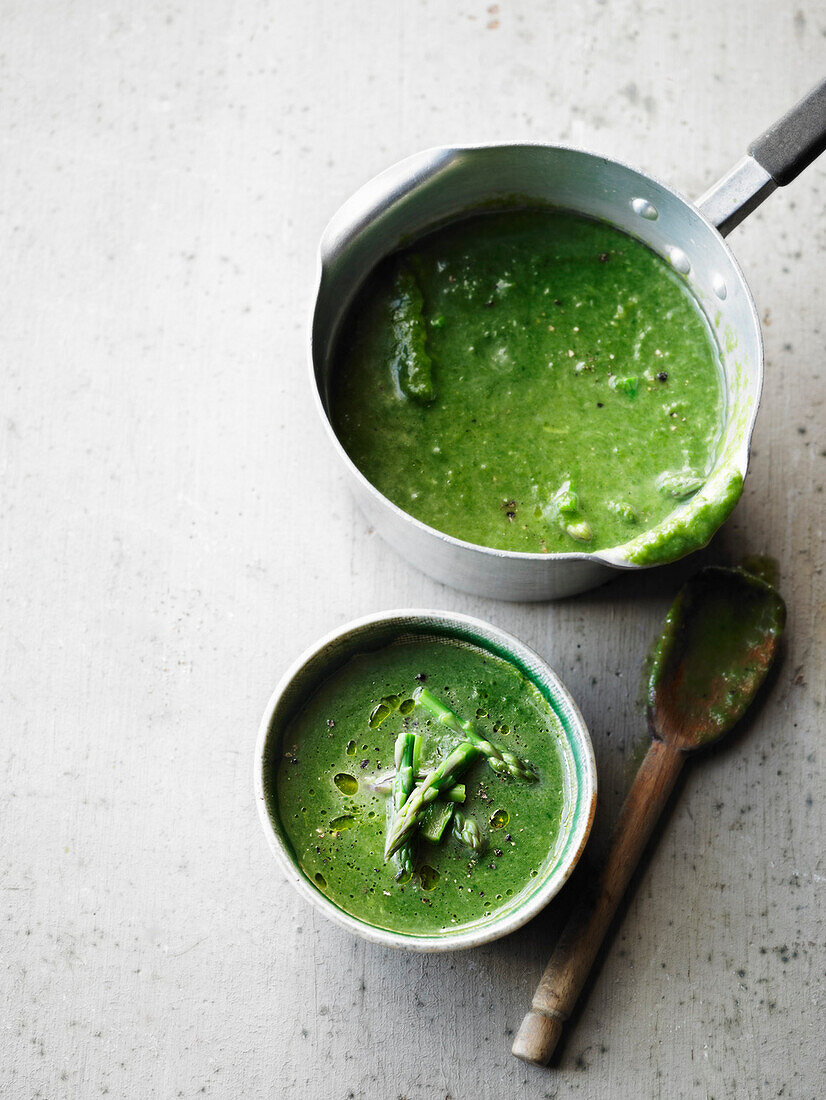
{"x": 793, "y": 142}
{"x": 773, "y": 160}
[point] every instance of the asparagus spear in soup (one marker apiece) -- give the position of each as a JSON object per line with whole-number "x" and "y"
{"x": 383, "y": 784}
{"x": 406, "y": 822}
{"x": 466, "y": 830}
{"x": 412, "y": 364}
{"x": 408, "y": 751}
{"x": 435, "y": 820}
{"x": 502, "y": 761}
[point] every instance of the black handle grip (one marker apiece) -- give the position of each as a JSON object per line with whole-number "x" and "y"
{"x": 793, "y": 142}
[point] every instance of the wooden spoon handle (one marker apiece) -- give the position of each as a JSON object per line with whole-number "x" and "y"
{"x": 573, "y": 958}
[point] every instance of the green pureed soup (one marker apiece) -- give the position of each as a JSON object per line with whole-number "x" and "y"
{"x": 340, "y": 747}
{"x": 533, "y": 380}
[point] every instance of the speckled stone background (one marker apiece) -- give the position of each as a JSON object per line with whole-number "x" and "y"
{"x": 174, "y": 532}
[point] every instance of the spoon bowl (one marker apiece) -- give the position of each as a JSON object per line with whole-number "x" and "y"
{"x": 718, "y": 642}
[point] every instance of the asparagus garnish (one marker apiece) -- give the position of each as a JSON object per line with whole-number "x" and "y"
{"x": 411, "y": 361}
{"x": 408, "y": 751}
{"x": 502, "y": 761}
{"x": 466, "y": 830}
{"x": 435, "y": 820}
{"x": 383, "y": 784}
{"x": 406, "y": 822}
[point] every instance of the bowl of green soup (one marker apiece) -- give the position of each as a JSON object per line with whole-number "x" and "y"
{"x": 424, "y": 780}
{"x": 537, "y": 366}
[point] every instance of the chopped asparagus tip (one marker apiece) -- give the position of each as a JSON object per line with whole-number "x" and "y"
{"x": 580, "y": 531}
{"x": 383, "y": 784}
{"x": 623, "y": 510}
{"x": 405, "y": 864}
{"x": 407, "y": 752}
{"x": 407, "y": 820}
{"x": 565, "y": 501}
{"x": 565, "y": 504}
{"x": 467, "y": 831}
{"x": 502, "y": 762}
{"x": 411, "y": 362}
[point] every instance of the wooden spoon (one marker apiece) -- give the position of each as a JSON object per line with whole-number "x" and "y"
{"x": 719, "y": 640}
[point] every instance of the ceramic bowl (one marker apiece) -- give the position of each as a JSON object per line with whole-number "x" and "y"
{"x": 328, "y": 654}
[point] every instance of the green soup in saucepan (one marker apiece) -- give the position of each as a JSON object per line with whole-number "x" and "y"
{"x": 329, "y": 789}
{"x": 531, "y": 380}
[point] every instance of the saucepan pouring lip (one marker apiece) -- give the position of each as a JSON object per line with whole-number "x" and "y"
{"x": 414, "y": 171}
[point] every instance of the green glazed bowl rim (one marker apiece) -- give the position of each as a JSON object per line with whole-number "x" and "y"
{"x": 328, "y": 653}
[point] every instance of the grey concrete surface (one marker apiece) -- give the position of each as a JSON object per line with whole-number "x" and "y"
{"x": 174, "y": 532}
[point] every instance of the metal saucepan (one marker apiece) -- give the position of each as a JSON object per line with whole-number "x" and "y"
{"x": 440, "y": 185}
